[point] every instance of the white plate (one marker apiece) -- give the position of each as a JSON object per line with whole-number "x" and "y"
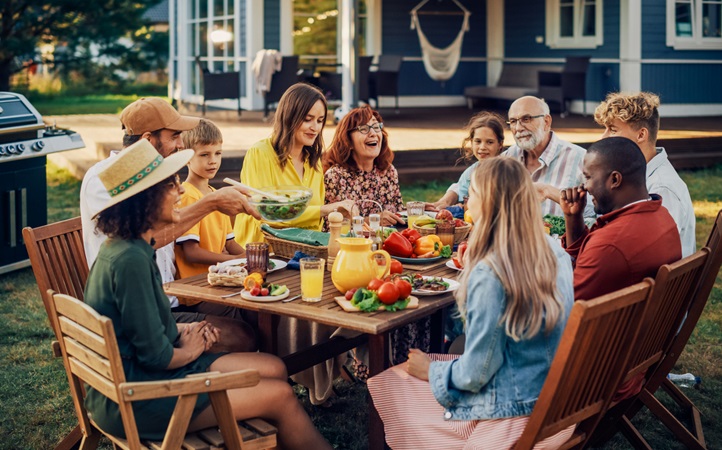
{"x": 453, "y": 285}
{"x": 268, "y": 298}
{"x": 450, "y": 264}
{"x": 237, "y": 262}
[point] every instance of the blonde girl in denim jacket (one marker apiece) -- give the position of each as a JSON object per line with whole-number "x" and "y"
{"x": 515, "y": 296}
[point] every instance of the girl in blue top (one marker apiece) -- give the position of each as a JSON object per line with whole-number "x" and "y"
{"x": 515, "y": 296}
{"x": 485, "y": 139}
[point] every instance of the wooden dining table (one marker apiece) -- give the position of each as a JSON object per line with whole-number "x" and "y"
{"x": 359, "y": 327}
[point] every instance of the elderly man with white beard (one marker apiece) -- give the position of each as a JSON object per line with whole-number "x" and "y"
{"x": 554, "y": 164}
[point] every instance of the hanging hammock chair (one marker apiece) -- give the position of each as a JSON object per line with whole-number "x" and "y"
{"x": 440, "y": 63}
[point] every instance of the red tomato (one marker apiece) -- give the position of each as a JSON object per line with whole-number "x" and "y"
{"x": 374, "y": 284}
{"x": 404, "y": 288}
{"x": 457, "y": 263}
{"x": 396, "y": 266}
{"x": 388, "y": 293}
{"x": 264, "y": 292}
{"x": 350, "y": 293}
{"x": 256, "y": 291}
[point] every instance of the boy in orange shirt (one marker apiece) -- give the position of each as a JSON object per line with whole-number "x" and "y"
{"x": 211, "y": 240}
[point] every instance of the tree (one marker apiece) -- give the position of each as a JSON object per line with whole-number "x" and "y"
{"x": 70, "y": 25}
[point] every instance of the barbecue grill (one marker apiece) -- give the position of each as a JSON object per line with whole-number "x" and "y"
{"x": 24, "y": 143}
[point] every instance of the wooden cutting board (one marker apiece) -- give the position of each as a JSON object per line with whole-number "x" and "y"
{"x": 348, "y": 307}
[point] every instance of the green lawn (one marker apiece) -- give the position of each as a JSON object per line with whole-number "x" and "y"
{"x": 37, "y": 411}
{"x": 88, "y": 104}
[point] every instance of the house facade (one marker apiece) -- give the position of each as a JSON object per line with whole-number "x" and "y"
{"x": 670, "y": 47}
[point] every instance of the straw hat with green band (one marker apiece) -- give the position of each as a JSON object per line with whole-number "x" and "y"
{"x": 137, "y": 168}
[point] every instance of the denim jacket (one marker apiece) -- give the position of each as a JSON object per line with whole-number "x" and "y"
{"x": 497, "y": 377}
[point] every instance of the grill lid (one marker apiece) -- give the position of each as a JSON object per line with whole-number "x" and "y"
{"x": 17, "y": 114}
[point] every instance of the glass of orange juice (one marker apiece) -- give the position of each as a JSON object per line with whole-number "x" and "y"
{"x": 414, "y": 211}
{"x": 312, "y": 279}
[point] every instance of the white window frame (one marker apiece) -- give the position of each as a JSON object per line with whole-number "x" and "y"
{"x": 696, "y": 41}
{"x": 553, "y": 26}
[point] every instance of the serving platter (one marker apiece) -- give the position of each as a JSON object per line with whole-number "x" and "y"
{"x": 278, "y": 264}
{"x": 246, "y": 295}
{"x": 453, "y": 285}
{"x": 416, "y": 260}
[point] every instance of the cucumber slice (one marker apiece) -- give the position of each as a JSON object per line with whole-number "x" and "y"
{"x": 278, "y": 290}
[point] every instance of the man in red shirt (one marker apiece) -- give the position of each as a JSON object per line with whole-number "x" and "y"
{"x": 633, "y": 236}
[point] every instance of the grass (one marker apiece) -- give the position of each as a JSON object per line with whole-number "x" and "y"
{"x": 37, "y": 410}
{"x": 51, "y": 105}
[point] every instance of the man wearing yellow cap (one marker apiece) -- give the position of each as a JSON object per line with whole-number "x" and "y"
{"x": 157, "y": 121}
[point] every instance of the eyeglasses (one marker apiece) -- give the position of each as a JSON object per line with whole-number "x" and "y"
{"x": 364, "y": 129}
{"x": 524, "y": 120}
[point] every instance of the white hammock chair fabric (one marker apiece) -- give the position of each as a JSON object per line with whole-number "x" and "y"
{"x": 440, "y": 63}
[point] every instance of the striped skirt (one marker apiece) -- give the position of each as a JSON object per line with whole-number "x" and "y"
{"x": 413, "y": 419}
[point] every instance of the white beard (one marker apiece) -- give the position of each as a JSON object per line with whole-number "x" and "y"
{"x": 532, "y": 139}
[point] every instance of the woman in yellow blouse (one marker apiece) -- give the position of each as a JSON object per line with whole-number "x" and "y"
{"x": 291, "y": 156}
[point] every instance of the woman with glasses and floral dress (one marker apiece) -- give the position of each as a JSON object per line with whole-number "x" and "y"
{"x": 358, "y": 166}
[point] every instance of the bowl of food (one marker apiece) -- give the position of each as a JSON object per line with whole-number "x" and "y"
{"x": 283, "y": 204}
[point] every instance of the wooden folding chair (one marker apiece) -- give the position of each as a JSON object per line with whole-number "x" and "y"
{"x": 693, "y": 439}
{"x": 588, "y": 365}
{"x": 90, "y": 355}
{"x": 57, "y": 257}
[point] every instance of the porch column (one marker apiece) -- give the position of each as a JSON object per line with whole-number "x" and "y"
{"x": 349, "y": 93}
{"x": 254, "y": 43}
{"x": 630, "y": 45}
{"x": 494, "y": 41}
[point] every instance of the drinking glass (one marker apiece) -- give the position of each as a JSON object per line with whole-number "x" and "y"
{"x": 345, "y": 226}
{"x": 257, "y": 258}
{"x": 414, "y": 211}
{"x": 445, "y": 230}
{"x": 312, "y": 279}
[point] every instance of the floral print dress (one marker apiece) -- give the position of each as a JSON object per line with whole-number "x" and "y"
{"x": 356, "y": 184}
{"x": 383, "y": 187}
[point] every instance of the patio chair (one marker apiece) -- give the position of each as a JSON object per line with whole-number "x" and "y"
{"x": 385, "y": 81}
{"x": 588, "y": 365}
{"x": 674, "y": 288}
{"x": 219, "y": 85}
{"x": 570, "y": 84}
{"x": 280, "y": 82}
{"x": 91, "y": 356}
{"x": 57, "y": 257}
{"x": 694, "y": 438}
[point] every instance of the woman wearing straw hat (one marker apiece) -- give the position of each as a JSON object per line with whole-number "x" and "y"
{"x": 125, "y": 285}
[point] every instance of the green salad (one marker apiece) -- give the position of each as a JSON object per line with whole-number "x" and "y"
{"x": 556, "y": 224}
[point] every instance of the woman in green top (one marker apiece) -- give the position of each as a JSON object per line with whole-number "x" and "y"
{"x": 125, "y": 285}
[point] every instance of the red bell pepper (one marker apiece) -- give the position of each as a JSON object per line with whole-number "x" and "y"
{"x": 397, "y": 245}
{"x": 411, "y": 234}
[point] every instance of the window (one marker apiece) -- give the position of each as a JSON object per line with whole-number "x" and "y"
{"x": 574, "y": 23}
{"x": 315, "y": 31}
{"x": 694, "y": 24}
{"x": 211, "y": 26}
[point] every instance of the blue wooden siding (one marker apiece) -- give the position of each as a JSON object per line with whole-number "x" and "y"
{"x": 398, "y": 38}
{"x": 242, "y": 24}
{"x": 524, "y": 21}
{"x": 683, "y": 83}
{"x": 271, "y": 24}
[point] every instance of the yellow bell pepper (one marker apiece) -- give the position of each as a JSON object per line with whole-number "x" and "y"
{"x": 428, "y": 246}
